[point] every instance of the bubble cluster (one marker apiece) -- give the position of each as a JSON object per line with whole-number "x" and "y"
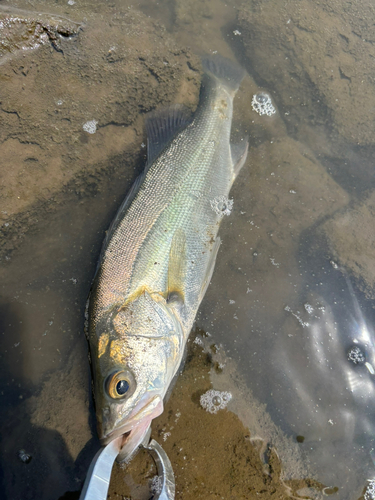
{"x": 24, "y": 456}
{"x": 221, "y": 205}
{"x": 262, "y": 104}
{"x": 156, "y": 485}
{"x": 309, "y": 308}
{"x": 370, "y": 490}
{"x": 297, "y": 316}
{"x": 213, "y": 401}
{"x": 356, "y": 356}
{"x": 90, "y": 126}
{"x": 198, "y": 341}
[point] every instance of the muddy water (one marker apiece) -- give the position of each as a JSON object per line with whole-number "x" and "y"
{"x": 286, "y": 325}
{"x": 45, "y": 372}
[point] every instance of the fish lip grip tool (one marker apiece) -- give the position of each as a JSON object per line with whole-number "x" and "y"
{"x": 99, "y": 474}
{"x": 165, "y": 471}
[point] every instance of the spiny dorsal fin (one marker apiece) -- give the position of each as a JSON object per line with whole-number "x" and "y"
{"x": 177, "y": 268}
{"x": 162, "y": 126}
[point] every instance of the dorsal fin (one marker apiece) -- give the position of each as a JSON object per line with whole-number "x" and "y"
{"x": 162, "y": 126}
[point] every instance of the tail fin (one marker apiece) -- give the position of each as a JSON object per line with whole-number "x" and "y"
{"x": 225, "y": 70}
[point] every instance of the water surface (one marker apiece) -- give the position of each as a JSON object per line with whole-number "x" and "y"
{"x": 290, "y": 306}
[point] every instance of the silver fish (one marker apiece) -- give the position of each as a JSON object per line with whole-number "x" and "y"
{"x": 159, "y": 256}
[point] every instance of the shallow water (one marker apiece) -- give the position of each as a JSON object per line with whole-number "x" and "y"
{"x": 290, "y": 306}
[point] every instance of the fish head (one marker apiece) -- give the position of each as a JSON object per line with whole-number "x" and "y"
{"x": 136, "y": 356}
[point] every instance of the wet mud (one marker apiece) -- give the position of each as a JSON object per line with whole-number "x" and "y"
{"x": 23, "y": 30}
{"x": 350, "y": 237}
{"x": 317, "y": 57}
{"x": 214, "y": 456}
{"x": 76, "y": 83}
{"x": 65, "y": 110}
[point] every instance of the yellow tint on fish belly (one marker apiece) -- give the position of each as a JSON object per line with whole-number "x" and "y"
{"x": 221, "y": 106}
{"x": 218, "y": 106}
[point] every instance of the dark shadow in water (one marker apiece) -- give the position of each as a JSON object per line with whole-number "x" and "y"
{"x": 12, "y": 355}
{"x": 50, "y": 468}
{"x": 45, "y": 377}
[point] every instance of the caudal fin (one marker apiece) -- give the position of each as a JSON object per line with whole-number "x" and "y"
{"x": 225, "y": 70}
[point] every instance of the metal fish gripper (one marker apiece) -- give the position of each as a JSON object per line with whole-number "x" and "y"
{"x": 99, "y": 474}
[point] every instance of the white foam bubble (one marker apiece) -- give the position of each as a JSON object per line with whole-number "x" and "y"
{"x": 213, "y": 401}
{"x": 370, "y": 490}
{"x": 221, "y": 205}
{"x": 156, "y": 485}
{"x": 262, "y": 104}
{"x": 90, "y": 126}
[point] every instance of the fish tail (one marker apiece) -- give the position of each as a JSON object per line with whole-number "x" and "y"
{"x": 226, "y": 71}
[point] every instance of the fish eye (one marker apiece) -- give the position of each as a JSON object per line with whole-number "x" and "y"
{"x": 119, "y": 384}
{"x": 122, "y": 387}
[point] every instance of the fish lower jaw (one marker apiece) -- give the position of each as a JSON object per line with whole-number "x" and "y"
{"x": 131, "y": 440}
{"x": 121, "y": 431}
{"x": 135, "y": 429}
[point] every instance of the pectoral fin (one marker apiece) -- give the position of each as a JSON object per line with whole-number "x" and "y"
{"x": 177, "y": 268}
{"x": 210, "y": 267}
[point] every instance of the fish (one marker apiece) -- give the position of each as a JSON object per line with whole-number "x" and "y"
{"x": 158, "y": 257}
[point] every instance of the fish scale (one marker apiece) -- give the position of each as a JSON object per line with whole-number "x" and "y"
{"x": 158, "y": 258}
{"x": 172, "y": 208}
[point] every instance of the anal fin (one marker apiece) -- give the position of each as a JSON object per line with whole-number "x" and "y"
{"x": 239, "y": 155}
{"x": 177, "y": 268}
{"x": 210, "y": 267}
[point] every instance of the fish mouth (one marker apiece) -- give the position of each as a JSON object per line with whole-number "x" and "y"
{"x": 132, "y": 440}
{"x": 135, "y": 429}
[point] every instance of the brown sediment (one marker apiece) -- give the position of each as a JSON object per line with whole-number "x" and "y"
{"x": 113, "y": 71}
{"x": 24, "y": 30}
{"x": 316, "y": 57}
{"x": 212, "y": 454}
{"x": 351, "y": 239}
{"x": 102, "y": 75}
